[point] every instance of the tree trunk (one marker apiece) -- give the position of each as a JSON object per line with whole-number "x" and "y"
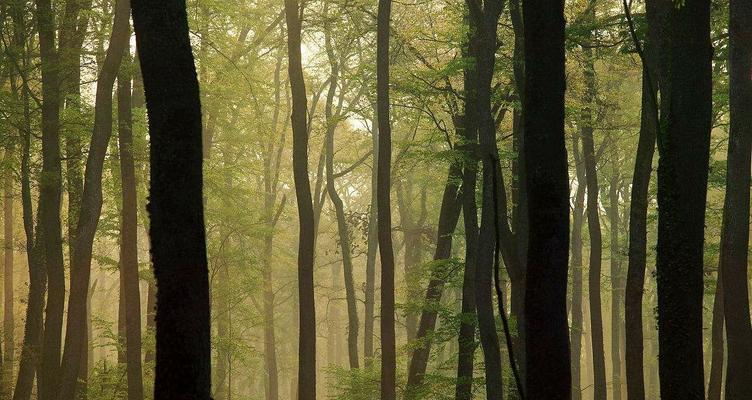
{"x": 339, "y": 208}
{"x": 682, "y": 189}
{"x": 469, "y": 137}
{"x": 178, "y": 242}
{"x": 371, "y": 252}
{"x": 616, "y": 286}
{"x": 576, "y": 263}
{"x": 307, "y": 314}
{"x": 386, "y": 250}
{"x": 735, "y": 246}
{"x": 715, "y": 382}
{"x": 49, "y": 230}
{"x": 594, "y": 228}
{"x": 129, "y": 233}
{"x": 547, "y": 341}
{"x": 91, "y": 205}
{"x": 8, "y": 283}
{"x": 486, "y": 20}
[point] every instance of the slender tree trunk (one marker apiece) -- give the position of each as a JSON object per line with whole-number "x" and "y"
{"x": 735, "y": 247}
{"x": 638, "y": 210}
{"x": 576, "y": 263}
{"x": 339, "y": 208}
{"x": 49, "y": 230}
{"x": 307, "y": 313}
{"x": 129, "y": 233}
{"x": 594, "y": 228}
{"x": 486, "y": 20}
{"x": 684, "y": 150}
{"x": 548, "y": 373}
{"x": 468, "y": 147}
{"x": 616, "y": 286}
{"x": 9, "y": 344}
{"x": 30, "y": 356}
{"x": 91, "y": 206}
{"x": 371, "y": 252}
{"x": 715, "y": 383}
{"x": 178, "y": 242}
{"x": 386, "y": 250}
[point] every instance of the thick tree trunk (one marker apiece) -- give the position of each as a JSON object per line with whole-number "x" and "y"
{"x": 49, "y": 230}
{"x": 178, "y": 242}
{"x": 91, "y": 205}
{"x": 682, "y": 188}
{"x": 547, "y": 340}
{"x": 576, "y": 263}
{"x": 735, "y": 244}
{"x": 129, "y": 233}
{"x": 307, "y": 313}
{"x": 386, "y": 250}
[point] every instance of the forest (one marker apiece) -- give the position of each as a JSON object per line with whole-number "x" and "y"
{"x": 375, "y": 199}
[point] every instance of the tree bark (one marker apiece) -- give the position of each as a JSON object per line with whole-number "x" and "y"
{"x": 91, "y": 205}
{"x": 548, "y": 373}
{"x": 594, "y": 228}
{"x": 682, "y": 189}
{"x": 576, "y": 263}
{"x": 307, "y": 314}
{"x": 715, "y": 383}
{"x": 735, "y": 245}
{"x": 616, "y": 285}
{"x": 8, "y": 281}
{"x": 386, "y": 250}
{"x": 371, "y": 252}
{"x": 129, "y": 232}
{"x": 49, "y": 230}
{"x": 178, "y": 242}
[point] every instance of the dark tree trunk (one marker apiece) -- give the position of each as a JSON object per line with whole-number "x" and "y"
{"x": 307, "y": 312}
{"x": 49, "y": 230}
{"x": 91, "y": 205}
{"x": 178, "y": 242}
{"x": 735, "y": 244}
{"x": 616, "y": 285}
{"x": 371, "y": 252}
{"x": 576, "y": 263}
{"x": 486, "y": 20}
{"x": 594, "y": 228}
{"x": 332, "y": 121}
{"x": 682, "y": 188}
{"x": 715, "y": 383}
{"x": 29, "y": 359}
{"x": 129, "y": 233}
{"x": 386, "y": 250}
{"x": 469, "y": 136}
{"x": 548, "y": 373}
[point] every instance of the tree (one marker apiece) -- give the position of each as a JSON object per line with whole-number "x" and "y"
{"x": 576, "y": 263}
{"x": 735, "y": 240}
{"x": 129, "y": 232}
{"x": 547, "y": 341}
{"x": 307, "y": 337}
{"x": 91, "y": 205}
{"x": 386, "y": 250}
{"x": 684, "y": 149}
{"x": 178, "y": 244}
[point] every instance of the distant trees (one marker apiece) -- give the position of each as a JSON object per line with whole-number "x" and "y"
{"x": 178, "y": 247}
